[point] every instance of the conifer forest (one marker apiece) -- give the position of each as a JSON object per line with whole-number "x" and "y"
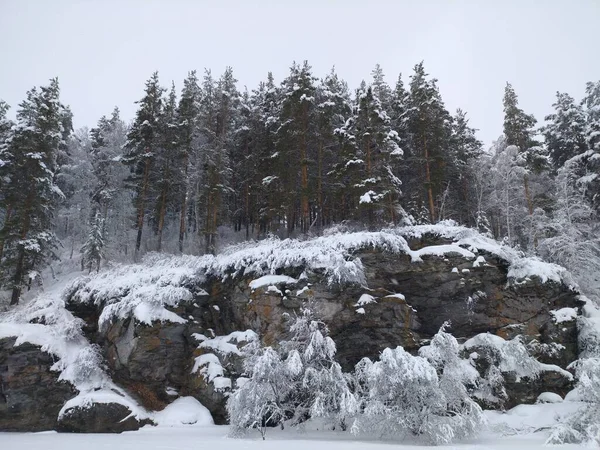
{"x": 208, "y": 163}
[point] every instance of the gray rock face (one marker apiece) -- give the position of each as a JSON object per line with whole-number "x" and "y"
{"x": 30, "y": 394}
{"x": 475, "y": 298}
{"x": 99, "y": 418}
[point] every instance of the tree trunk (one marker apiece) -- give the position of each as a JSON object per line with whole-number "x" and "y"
{"x": 304, "y": 211}
{"x": 428, "y": 181}
{"x": 161, "y": 217}
{"x": 183, "y": 211}
{"x": 18, "y": 279}
{"x": 6, "y": 220}
{"x": 320, "y": 184}
{"x": 142, "y": 208}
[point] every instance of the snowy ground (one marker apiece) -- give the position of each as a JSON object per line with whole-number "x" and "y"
{"x": 184, "y": 438}
{"x": 524, "y": 427}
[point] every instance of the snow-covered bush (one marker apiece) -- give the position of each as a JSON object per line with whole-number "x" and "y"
{"x": 584, "y": 425}
{"x": 402, "y": 397}
{"x": 299, "y": 381}
{"x": 455, "y": 376}
{"x": 262, "y": 399}
{"x": 321, "y": 388}
{"x": 424, "y": 396}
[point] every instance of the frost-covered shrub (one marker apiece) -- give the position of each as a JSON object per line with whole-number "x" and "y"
{"x": 495, "y": 358}
{"x": 425, "y": 396}
{"x": 299, "y": 381}
{"x": 402, "y": 397}
{"x": 262, "y": 400}
{"x": 321, "y": 388}
{"x": 455, "y": 375}
{"x": 584, "y": 425}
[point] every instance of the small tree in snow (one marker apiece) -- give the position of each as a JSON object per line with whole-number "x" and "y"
{"x": 455, "y": 375}
{"x": 321, "y": 388}
{"x": 420, "y": 395}
{"x": 262, "y": 400}
{"x": 296, "y": 383}
{"x": 93, "y": 248}
{"x": 584, "y": 425}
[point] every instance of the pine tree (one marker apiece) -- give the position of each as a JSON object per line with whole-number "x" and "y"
{"x": 142, "y": 143}
{"x": 565, "y": 132}
{"x": 372, "y": 149}
{"x": 591, "y": 103}
{"x": 5, "y": 132}
{"x": 464, "y": 148}
{"x": 108, "y": 195}
{"x": 332, "y": 108}
{"x": 429, "y": 127}
{"x": 295, "y": 139}
{"x": 518, "y": 129}
{"x": 31, "y": 194}
{"x": 218, "y": 115}
{"x": 267, "y": 183}
{"x": 93, "y": 248}
{"x": 188, "y": 145}
{"x": 164, "y": 181}
{"x": 381, "y": 89}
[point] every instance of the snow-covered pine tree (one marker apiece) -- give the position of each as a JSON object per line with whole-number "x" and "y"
{"x": 141, "y": 146}
{"x": 165, "y": 178}
{"x": 5, "y": 132}
{"x": 299, "y": 381}
{"x": 591, "y": 102}
{"x": 572, "y": 233}
{"x": 429, "y": 128}
{"x": 267, "y": 181}
{"x": 519, "y": 131}
{"x": 464, "y": 148}
{"x": 295, "y": 140}
{"x": 584, "y": 425}
{"x": 108, "y": 193}
{"x": 372, "y": 150}
{"x": 320, "y": 387}
{"x": 465, "y": 417}
{"x": 565, "y": 132}
{"x": 218, "y": 115}
{"x": 332, "y": 109}
{"x": 261, "y": 401}
{"x": 188, "y": 143}
{"x": 381, "y": 89}
{"x": 30, "y": 192}
{"x": 93, "y": 248}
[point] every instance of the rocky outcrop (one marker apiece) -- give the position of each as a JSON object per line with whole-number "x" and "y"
{"x": 403, "y": 299}
{"x": 99, "y": 418}
{"x": 411, "y": 301}
{"x": 30, "y": 394}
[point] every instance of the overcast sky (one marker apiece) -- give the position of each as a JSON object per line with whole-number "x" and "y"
{"x": 103, "y": 51}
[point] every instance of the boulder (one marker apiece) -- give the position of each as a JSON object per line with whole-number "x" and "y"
{"x": 31, "y": 395}
{"x": 99, "y": 418}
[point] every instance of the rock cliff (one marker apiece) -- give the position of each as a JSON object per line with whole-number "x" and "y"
{"x": 373, "y": 291}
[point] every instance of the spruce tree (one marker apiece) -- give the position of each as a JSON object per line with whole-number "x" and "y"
{"x": 371, "y": 149}
{"x": 295, "y": 139}
{"x": 142, "y": 144}
{"x": 30, "y": 192}
{"x": 429, "y": 128}
{"x": 188, "y": 145}
{"x": 565, "y": 132}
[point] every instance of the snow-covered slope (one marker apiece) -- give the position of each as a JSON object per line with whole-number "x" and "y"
{"x": 144, "y": 290}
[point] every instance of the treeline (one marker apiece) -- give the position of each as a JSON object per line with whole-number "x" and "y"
{"x": 213, "y": 164}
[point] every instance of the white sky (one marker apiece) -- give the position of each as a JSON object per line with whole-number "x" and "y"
{"x": 103, "y": 51}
